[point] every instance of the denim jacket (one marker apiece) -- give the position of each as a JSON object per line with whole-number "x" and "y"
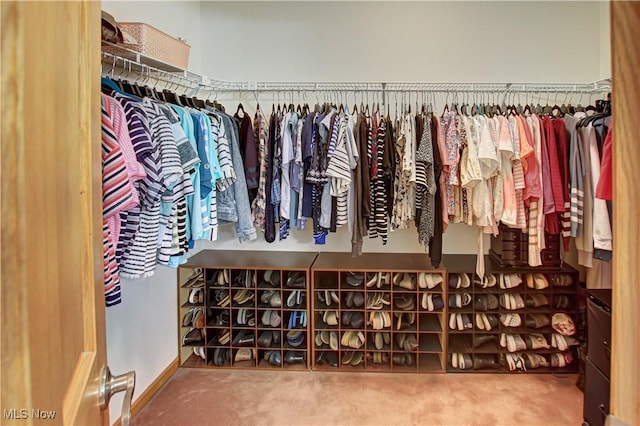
{"x": 233, "y": 203}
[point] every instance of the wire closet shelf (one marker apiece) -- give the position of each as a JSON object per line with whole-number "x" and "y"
{"x": 191, "y": 84}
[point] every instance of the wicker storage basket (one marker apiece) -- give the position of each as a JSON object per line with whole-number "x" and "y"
{"x": 156, "y": 44}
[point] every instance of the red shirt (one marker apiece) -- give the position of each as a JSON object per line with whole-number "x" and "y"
{"x": 604, "y": 190}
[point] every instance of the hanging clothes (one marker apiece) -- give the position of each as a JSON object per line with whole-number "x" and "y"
{"x": 248, "y": 151}
{"x": 117, "y": 196}
{"x": 378, "y": 219}
{"x": 425, "y": 184}
{"x": 261, "y": 135}
{"x": 604, "y": 189}
{"x": 435, "y": 245}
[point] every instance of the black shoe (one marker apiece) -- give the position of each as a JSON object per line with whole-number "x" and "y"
{"x": 296, "y": 280}
{"x": 265, "y": 339}
{"x": 193, "y": 337}
{"x": 484, "y": 361}
{"x": 292, "y": 357}
{"x": 357, "y": 320}
{"x": 273, "y": 357}
{"x": 244, "y": 338}
{"x": 221, "y": 319}
{"x": 346, "y": 317}
{"x": 332, "y": 359}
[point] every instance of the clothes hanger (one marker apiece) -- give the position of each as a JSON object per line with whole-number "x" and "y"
{"x": 564, "y": 108}
{"x": 591, "y": 107}
{"x": 239, "y": 109}
{"x": 108, "y": 83}
{"x": 218, "y": 106}
{"x": 555, "y": 109}
{"x": 184, "y": 100}
{"x": 538, "y": 108}
{"x": 519, "y": 108}
{"x": 149, "y": 92}
{"x": 127, "y": 87}
{"x": 136, "y": 89}
{"x": 579, "y": 107}
{"x": 446, "y": 106}
{"x": 171, "y": 96}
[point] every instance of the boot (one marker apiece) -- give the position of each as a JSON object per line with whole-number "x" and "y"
{"x": 481, "y": 339}
{"x": 484, "y": 361}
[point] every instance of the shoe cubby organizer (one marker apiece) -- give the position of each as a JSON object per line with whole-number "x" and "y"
{"x": 378, "y": 312}
{"x": 517, "y": 319}
{"x": 245, "y": 309}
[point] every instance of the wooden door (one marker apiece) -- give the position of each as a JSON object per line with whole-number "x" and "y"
{"x": 53, "y": 330}
{"x": 625, "y": 55}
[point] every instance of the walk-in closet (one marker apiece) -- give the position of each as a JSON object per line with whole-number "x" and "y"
{"x": 320, "y": 212}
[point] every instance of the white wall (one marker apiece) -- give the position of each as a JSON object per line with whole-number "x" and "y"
{"x": 142, "y": 331}
{"x": 402, "y": 41}
{"x": 348, "y": 41}
{"x": 605, "y": 40}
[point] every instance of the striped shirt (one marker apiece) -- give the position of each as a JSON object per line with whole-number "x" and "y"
{"x": 174, "y": 241}
{"x": 378, "y": 220}
{"x": 134, "y": 168}
{"x": 576, "y": 172}
{"x": 339, "y": 172}
{"x": 140, "y": 261}
{"x": 150, "y": 188}
{"x": 194, "y": 217}
{"x": 116, "y": 196}
{"x": 227, "y": 175}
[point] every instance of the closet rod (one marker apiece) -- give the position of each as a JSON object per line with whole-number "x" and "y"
{"x": 600, "y": 86}
{"x": 196, "y": 82}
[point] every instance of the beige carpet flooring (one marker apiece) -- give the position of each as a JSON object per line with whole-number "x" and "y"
{"x": 206, "y": 397}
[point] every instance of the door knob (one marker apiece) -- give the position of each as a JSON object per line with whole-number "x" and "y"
{"x": 110, "y": 385}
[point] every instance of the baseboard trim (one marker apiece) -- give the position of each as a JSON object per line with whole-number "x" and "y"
{"x": 153, "y": 388}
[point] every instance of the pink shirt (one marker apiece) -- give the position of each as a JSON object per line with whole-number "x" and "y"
{"x": 532, "y": 189}
{"x": 134, "y": 168}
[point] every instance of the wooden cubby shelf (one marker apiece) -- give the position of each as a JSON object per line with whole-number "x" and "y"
{"x": 382, "y": 294}
{"x": 253, "y": 310}
{"x": 481, "y": 347}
